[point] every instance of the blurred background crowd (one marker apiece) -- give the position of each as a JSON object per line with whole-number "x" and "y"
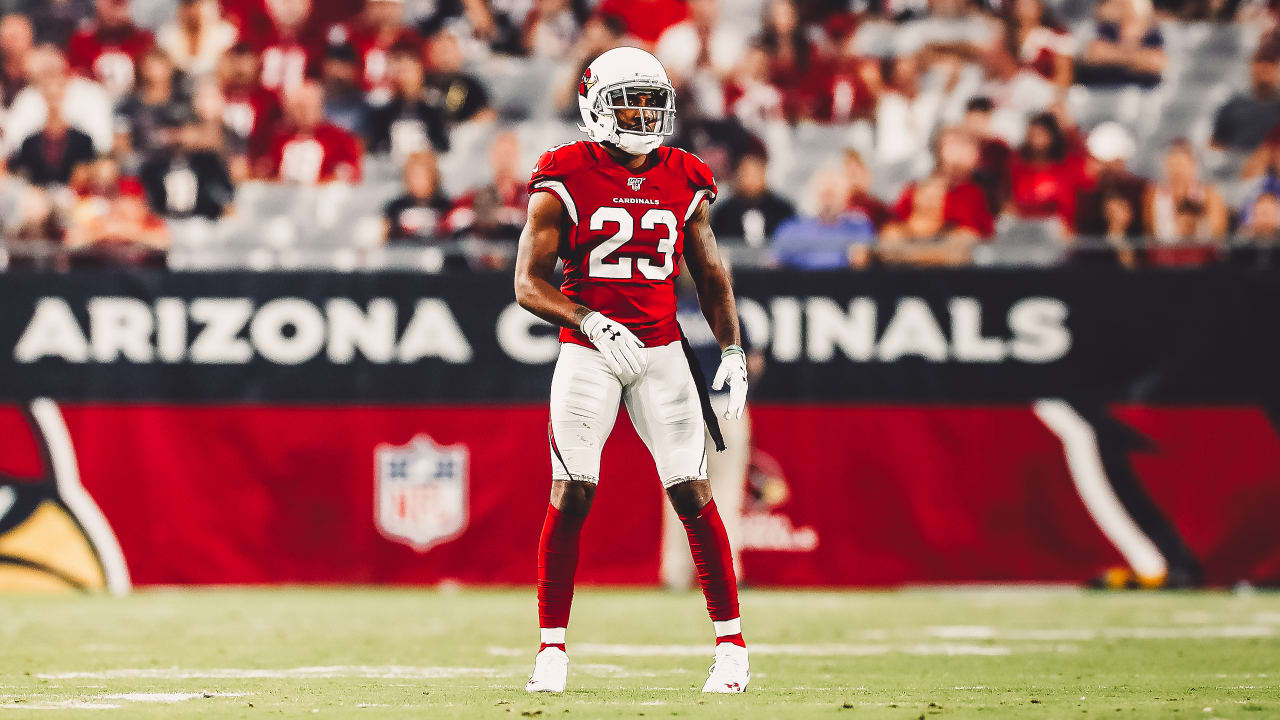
{"x": 355, "y": 134}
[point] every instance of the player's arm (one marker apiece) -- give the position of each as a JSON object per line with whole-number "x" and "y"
{"x": 535, "y": 264}
{"x": 715, "y": 295}
{"x": 715, "y": 292}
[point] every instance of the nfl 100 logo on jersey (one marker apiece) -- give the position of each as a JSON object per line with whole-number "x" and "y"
{"x": 421, "y": 492}
{"x": 634, "y": 183}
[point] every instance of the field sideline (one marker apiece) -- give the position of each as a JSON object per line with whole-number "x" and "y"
{"x": 1019, "y": 653}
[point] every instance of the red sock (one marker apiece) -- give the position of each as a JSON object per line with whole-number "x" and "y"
{"x": 559, "y": 646}
{"x": 714, "y": 560}
{"x": 557, "y": 562}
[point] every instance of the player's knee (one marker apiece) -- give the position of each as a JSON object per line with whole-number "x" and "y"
{"x": 689, "y": 496}
{"x": 572, "y": 497}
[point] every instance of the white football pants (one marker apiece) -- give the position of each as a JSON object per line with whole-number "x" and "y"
{"x": 662, "y": 401}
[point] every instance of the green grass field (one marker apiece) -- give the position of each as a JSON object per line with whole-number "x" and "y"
{"x": 1020, "y": 653}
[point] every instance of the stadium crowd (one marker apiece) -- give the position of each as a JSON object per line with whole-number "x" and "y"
{"x": 844, "y": 132}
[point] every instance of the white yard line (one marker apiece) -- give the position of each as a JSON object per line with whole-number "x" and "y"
{"x": 386, "y": 672}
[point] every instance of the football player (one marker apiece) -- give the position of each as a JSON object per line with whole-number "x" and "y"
{"x": 621, "y": 211}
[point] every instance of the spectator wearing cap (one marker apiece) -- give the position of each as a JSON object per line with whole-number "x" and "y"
{"x": 832, "y": 238}
{"x": 110, "y": 49}
{"x": 1046, "y": 175}
{"x": 752, "y": 212}
{"x": 52, "y": 155}
{"x": 344, "y": 100}
{"x": 1244, "y": 121}
{"x": 858, "y": 176}
{"x": 496, "y": 210}
{"x": 1127, "y": 49}
{"x": 83, "y": 103}
{"x": 197, "y": 37}
{"x": 407, "y": 123}
{"x": 1110, "y": 148}
{"x": 250, "y": 110}
{"x": 459, "y": 95}
{"x": 17, "y": 37}
{"x": 311, "y": 150}
{"x": 994, "y": 154}
{"x": 417, "y": 215}
{"x": 371, "y": 35}
{"x": 156, "y": 107}
{"x": 964, "y": 216}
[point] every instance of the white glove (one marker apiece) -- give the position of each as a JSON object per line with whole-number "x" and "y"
{"x": 620, "y": 348}
{"x": 733, "y": 370}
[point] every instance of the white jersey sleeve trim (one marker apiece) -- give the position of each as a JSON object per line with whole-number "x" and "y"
{"x": 561, "y": 192}
{"x": 697, "y": 198}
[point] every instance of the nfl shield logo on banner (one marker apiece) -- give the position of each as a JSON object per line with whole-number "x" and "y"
{"x": 421, "y": 494}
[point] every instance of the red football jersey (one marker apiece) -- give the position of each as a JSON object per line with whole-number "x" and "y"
{"x": 328, "y": 153}
{"x": 622, "y": 252}
{"x": 109, "y": 56}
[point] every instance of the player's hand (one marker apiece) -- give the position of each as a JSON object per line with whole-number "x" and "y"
{"x": 733, "y": 371}
{"x": 621, "y": 349}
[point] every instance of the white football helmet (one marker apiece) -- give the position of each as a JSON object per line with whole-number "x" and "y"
{"x": 627, "y": 78}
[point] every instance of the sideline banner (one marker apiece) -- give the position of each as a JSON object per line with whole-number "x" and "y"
{"x": 247, "y": 428}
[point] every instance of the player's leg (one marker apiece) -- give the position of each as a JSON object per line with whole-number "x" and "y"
{"x": 584, "y": 405}
{"x": 664, "y": 407}
{"x": 727, "y": 471}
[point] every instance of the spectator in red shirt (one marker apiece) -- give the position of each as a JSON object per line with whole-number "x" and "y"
{"x": 110, "y": 49}
{"x": 858, "y": 176}
{"x": 311, "y": 151}
{"x": 1038, "y": 41}
{"x": 749, "y": 95}
{"x": 280, "y": 42}
{"x": 645, "y": 19}
{"x": 938, "y": 221}
{"x": 1045, "y": 176}
{"x": 964, "y": 206}
{"x": 796, "y": 64}
{"x": 373, "y": 33}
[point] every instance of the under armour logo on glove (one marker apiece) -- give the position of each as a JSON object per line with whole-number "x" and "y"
{"x": 620, "y": 348}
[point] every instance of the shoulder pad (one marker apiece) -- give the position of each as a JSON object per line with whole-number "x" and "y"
{"x": 692, "y": 167}
{"x": 561, "y": 161}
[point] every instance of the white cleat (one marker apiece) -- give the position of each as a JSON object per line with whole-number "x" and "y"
{"x": 550, "y": 671}
{"x": 731, "y": 671}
